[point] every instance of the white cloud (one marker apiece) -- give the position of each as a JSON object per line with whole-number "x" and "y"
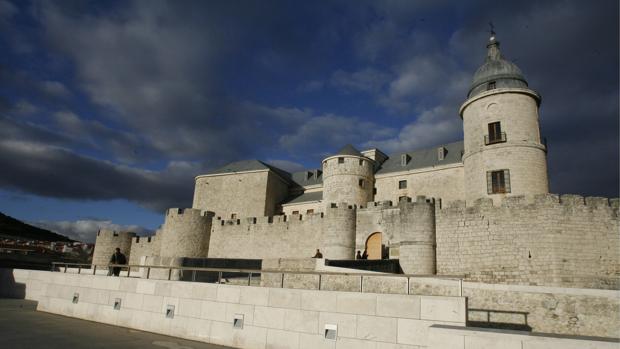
{"x": 86, "y": 229}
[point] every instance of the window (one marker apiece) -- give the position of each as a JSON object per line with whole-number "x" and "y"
{"x": 309, "y": 211}
{"x": 498, "y": 182}
{"x": 295, "y": 212}
{"x": 341, "y": 160}
{"x": 403, "y": 198}
{"x": 361, "y": 183}
{"x": 491, "y": 86}
{"x": 404, "y": 159}
{"x": 402, "y": 184}
{"x": 374, "y": 191}
{"x": 495, "y": 134}
{"x": 361, "y": 162}
{"x": 233, "y": 216}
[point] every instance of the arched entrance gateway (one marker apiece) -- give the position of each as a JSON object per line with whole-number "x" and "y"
{"x": 373, "y": 246}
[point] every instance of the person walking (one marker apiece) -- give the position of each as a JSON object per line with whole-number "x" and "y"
{"x": 117, "y": 258}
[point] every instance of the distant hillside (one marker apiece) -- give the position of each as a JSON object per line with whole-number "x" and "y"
{"x": 15, "y": 229}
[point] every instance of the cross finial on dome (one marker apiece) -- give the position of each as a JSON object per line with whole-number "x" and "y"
{"x": 493, "y": 52}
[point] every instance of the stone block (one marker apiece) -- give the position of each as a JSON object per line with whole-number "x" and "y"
{"x": 269, "y": 317}
{"x": 346, "y": 323}
{"x": 127, "y": 284}
{"x": 213, "y": 311}
{"x": 199, "y": 329}
{"x": 145, "y": 287}
{"x": 285, "y": 298}
{"x": 443, "y": 308}
{"x": 492, "y": 342}
{"x": 351, "y": 343}
{"x": 250, "y": 337}
{"x": 301, "y": 321}
{"x": 413, "y": 332}
{"x": 204, "y": 291}
{"x": 152, "y": 304}
{"x": 278, "y": 339}
{"x": 254, "y": 295}
{"x": 385, "y": 285}
{"x": 106, "y": 283}
{"x": 315, "y": 341}
{"x": 228, "y": 294}
{"x": 401, "y": 306}
{"x": 133, "y": 300}
{"x": 181, "y": 289}
{"x": 357, "y": 303}
{"x": 439, "y": 338}
{"x": 319, "y": 300}
{"x": 191, "y": 308}
{"x": 377, "y": 328}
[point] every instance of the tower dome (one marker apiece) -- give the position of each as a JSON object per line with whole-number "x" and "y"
{"x": 496, "y": 72}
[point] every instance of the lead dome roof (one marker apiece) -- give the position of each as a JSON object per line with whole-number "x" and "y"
{"x": 496, "y": 69}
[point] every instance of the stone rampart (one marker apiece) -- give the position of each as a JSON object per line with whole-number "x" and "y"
{"x": 186, "y": 233}
{"x": 555, "y": 240}
{"x": 144, "y": 246}
{"x": 106, "y": 243}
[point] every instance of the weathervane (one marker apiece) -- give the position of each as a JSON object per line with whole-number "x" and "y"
{"x": 492, "y": 28}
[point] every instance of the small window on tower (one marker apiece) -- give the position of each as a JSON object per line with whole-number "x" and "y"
{"x": 495, "y": 134}
{"x": 361, "y": 162}
{"x": 404, "y": 159}
{"x": 361, "y": 183}
{"x": 374, "y": 191}
{"x": 498, "y": 182}
{"x": 295, "y": 212}
{"x": 402, "y": 184}
{"x": 491, "y": 85}
{"x": 309, "y": 211}
{"x": 441, "y": 153}
{"x": 233, "y": 216}
{"x": 341, "y": 160}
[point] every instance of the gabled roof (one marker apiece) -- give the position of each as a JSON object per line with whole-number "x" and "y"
{"x": 349, "y": 150}
{"x": 305, "y": 197}
{"x": 423, "y": 158}
{"x": 307, "y": 177}
{"x": 249, "y": 165}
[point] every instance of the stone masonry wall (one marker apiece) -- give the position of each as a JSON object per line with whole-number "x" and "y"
{"x": 144, "y": 246}
{"x": 186, "y": 233}
{"x": 106, "y": 243}
{"x": 564, "y": 241}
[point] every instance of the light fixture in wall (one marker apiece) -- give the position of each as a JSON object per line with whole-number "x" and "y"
{"x": 331, "y": 332}
{"x": 76, "y": 298}
{"x": 170, "y": 311}
{"x": 117, "y": 304}
{"x": 238, "y": 321}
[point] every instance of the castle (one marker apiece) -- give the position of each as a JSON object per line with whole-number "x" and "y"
{"x": 480, "y": 207}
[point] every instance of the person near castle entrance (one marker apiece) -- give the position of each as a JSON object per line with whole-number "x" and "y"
{"x": 117, "y": 258}
{"x": 318, "y": 254}
{"x": 365, "y": 255}
{"x": 358, "y": 255}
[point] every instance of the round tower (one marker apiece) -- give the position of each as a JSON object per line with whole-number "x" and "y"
{"x": 417, "y": 246}
{"x": 106, "y": 243}
{"x": 348, "y": 177}
{"x": 503, "y": 153}
{"x": 338, "y": 240}
{"x": 186, "y": 233}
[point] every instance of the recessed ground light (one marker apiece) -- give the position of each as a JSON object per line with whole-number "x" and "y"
{"x": 76, "y": 298}
{"x": 117, "y": 304}
{"x": 170, "y": 311}
{"x": 331, "y": 332}
{"x": 238, "y": 321}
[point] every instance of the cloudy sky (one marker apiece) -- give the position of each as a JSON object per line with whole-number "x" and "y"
{"x": 108, "y": 109}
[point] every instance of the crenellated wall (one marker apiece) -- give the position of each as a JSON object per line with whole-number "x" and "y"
{"x": 555, "y": 240}
{"x": 106, "y": 243}
{"x": 144, "y": 246}
{"x": 186, "y": 233}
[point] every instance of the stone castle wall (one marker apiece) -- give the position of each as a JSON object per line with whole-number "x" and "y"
{"x": 106, "y": 243}
{"x": 554, "y": 241}
{"x": 144, "y": 246}
{"x": 341, "y": 181}
{"x": 186, "y": 233}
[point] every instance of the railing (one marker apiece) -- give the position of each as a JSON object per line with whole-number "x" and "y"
{"x": 251, "y": 273}
{"x": 488, "y": 140}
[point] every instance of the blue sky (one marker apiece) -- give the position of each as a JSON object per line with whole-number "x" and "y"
{"x": 108, "y": 109}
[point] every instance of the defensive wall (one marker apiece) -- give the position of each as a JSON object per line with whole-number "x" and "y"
{"x": 106, "y": 243}
{"x": 144, "y": 246}
{"x": 554, "y": 240}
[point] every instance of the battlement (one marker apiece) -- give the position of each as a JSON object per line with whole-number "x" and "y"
{"x": 406, "y": 203}
{"x": 143, "y": 239}
{"x": 112, "y": 234}
{"x": 538, "y": 201}
{"x": 188, "y": 212}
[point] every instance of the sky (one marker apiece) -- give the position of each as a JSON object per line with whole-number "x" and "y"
{"x": 109, "y": 109}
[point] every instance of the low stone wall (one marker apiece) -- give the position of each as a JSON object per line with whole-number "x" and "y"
{"x": 449, "y": 337}
{"x": 272, "y": 318}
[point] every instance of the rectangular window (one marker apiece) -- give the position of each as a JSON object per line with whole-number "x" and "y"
{"x": 374, "y": 191}
{"x": 361, "y": 183}
{"x": 441, "y": 153}
{"x": 341, "y": 160}
{"x": 361, "y": 162}
{"x": 498, "y": 182}
{"x": 233, "y": 216}
{"x": 404, "y": 159}
{"x": 309, "y": 211}
{"x": 495, "y": 134}
{"x": 295, "y": 212}
{"x": 403, "y": 198}
{"x": 491, "y": 86}
{"x": 402, "y": 184}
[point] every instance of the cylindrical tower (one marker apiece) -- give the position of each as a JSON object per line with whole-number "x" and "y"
{"x": 417, "y": 246}
{"x": 503, "y": 154}
{"x": 106, "y": 243}
{"x": 186, "y": 233}
{"x": 338, "y": 240}
{"x": 348, "y": 177}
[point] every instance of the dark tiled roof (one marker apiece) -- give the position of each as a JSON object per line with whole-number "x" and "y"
{"x": 249, "y": 165}
{"x": 423, "y": 158}
{"x": 308, "y": 177}
{"x": 349, "y": 150}
{"x": 305, "y": 197}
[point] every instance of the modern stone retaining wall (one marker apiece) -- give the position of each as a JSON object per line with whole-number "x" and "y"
{"x": 272, "y": 318}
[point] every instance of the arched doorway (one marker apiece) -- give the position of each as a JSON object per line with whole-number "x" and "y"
{"x": 373, "y": 246}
